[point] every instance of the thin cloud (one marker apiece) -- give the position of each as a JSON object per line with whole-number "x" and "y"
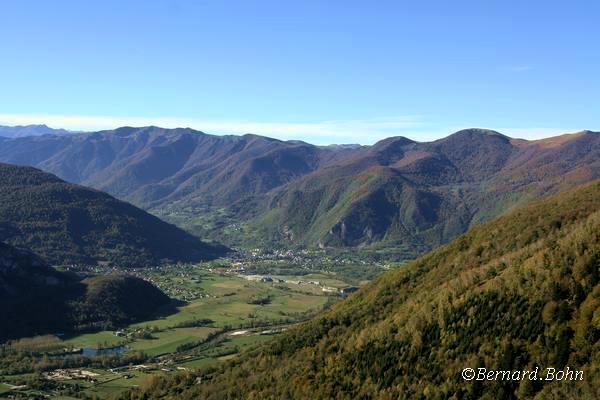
{"x": 362, "y": 131}
{"x": 535, "y": 133}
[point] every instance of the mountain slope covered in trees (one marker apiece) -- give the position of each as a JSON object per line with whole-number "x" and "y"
{"x": 37, "y": 299}
{"x": 152, "y": 166}
{"x": 407, "y": 195}
{"x": 512, "y": 294}
{"x": 70, "y": 224}
{"x": 403, "y": 196}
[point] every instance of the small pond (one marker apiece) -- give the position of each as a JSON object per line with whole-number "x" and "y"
{"x": 93, "y": 352}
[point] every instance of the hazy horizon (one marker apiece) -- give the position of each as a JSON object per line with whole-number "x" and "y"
{"x": 536, "y": 136}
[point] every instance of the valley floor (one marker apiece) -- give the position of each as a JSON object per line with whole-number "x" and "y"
{"x": 223, "y": 307}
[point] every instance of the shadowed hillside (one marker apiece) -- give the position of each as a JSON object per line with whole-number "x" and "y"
{"x": 37, "y": 299}
{"x": 70, "y": 224}
{"x": 512, "y": 294}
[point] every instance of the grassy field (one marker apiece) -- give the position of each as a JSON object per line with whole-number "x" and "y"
{"x": 95, "y": 340}
{"x": 237, "y": 313}
{"x": 231, "y": 343}
{"x": 115, "y": 383}
{"x": 167, "y": 341}
{"x": 4, "y": 388}
{"x": 227, "y": 303}
{"x": 111, "y": 383}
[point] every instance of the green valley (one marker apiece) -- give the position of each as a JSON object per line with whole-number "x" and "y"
{"x": 309, "y": 200}
{"x": 219, "y": 308}
{"x": 512, "y": 294}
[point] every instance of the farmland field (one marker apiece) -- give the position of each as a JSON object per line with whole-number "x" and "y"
{"x": 218, "y": 311}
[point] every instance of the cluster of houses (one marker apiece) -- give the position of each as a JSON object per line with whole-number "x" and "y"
{"x": 261, "y": 278}
{"x": 340, "y": 291}
{"x": 68, "y": 374}
{"x": 162, "y": 366}
{"x": 326, "y": 289}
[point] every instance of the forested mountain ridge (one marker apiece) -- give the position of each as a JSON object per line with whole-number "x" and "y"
{"x": 152, "y": 166}
{"x": 71, "y": 224}
{"x": 37, "y": 299}
{"x": 406, "y": 195}
{"x": 403, "y": 196}
{"x": 511, "y": 294}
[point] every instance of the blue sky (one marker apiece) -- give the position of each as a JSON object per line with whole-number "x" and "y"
{"x": 321, "y": 71}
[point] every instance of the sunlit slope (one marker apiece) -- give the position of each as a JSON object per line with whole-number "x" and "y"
{"x": 415, "y": 196}
{"x": 515, "y": 293}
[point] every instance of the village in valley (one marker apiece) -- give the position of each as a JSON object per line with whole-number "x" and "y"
{"x": 219, "y": 308}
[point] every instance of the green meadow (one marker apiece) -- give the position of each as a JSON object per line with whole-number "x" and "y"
{"x": 216, "y": 316}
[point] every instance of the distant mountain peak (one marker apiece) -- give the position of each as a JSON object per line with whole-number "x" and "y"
{"x": 401, "y": 140}
{"x": 30, "y": 130}
{"x": 477, "y": 132}
{"x": 588, "y": 132}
